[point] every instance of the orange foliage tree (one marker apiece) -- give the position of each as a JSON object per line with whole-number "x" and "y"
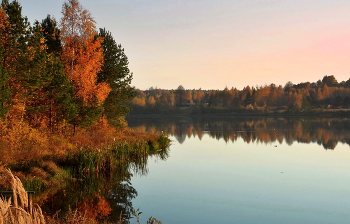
{"x": 82, "y": 54}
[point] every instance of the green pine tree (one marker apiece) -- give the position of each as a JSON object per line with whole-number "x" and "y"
{"x": 59, "y": 91}
{"x": 116, "y": 73}
{"x": 5, "y": 94}
{"x": 51, "y": 33}
{"x": 88, "y": 114}
{"x": 16, "y": 53}
{"x": 34, "y": 77}
{"x": 59, "y": 94}
{"x": 16, "y": 46}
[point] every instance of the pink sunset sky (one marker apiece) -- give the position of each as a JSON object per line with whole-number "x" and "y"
{"x": 211, "y": 44}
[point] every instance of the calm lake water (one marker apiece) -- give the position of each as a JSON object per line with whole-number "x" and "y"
{"x": 247, "y": 170}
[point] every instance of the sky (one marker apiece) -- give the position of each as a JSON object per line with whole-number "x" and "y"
{"x": 213, "y": 44}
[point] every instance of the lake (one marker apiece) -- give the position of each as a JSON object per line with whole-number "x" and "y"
{"x": 247, "y": 170}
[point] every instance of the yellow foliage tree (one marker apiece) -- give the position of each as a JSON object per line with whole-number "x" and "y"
{"x": 82, "y": 53}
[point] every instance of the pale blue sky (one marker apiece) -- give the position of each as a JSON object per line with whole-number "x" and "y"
{"x": 211, "y": 44}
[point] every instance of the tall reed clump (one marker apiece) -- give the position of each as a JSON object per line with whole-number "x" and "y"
{"x": 86, "y": 161}
{"x": 131, "y": 153}
{"x": 20, "y": 211}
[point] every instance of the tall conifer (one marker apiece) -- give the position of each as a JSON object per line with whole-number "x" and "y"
{"x": 5, "y": 94}
{"x": 116, "y": 73}
{"x": 59, "y": 91}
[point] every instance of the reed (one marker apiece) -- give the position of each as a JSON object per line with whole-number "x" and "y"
{"x": 20, "y": 211}
{"x": 132, "y": 153}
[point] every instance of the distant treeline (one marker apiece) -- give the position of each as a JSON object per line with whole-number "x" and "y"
{"x": 327, "y": 93}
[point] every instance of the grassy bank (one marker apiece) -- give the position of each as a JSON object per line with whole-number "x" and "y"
{"x": 76, "y": 171}
{"x": 30, "y": 152}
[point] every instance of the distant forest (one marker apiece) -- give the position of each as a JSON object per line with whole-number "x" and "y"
{"x": 327, "y": 93}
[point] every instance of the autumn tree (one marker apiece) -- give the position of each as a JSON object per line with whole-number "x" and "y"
{"x": 319, "y": 95}
{"x": 280, "y": 97}
{"x": 82, "y": 56}
{"x": 82, "y": 53}
{"x": 150, "y": 101}
{"x": 198, "y": 96}
{"x": 139, "y": 101}
{"x": 262, "y": 95}
{"x": 325, "y": 91}
{"x": 162, "y": 101}
{"x": 188, "y": 97}
{"x": 234, "y": 95}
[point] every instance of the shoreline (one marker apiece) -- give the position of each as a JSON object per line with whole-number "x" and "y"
{"x": 323, "y": 113}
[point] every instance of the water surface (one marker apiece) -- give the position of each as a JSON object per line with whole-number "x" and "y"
{"x": 247, "y": 170}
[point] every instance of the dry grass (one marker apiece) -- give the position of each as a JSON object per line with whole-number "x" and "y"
{"x": 35, "y": 153}
{"x": 29, "y": 144}
{"x": 19, "y": 211}
{"x": 72, "y": 218}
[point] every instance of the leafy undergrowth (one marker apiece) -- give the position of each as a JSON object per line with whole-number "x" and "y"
{"x": 45, "y": 161}
{"x": 37, "y": 155}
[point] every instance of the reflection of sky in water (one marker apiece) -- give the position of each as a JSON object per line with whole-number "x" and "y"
{"x": 212, "y": 181}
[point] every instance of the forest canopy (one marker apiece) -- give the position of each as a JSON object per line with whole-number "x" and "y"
{"x": 58, "y": 73}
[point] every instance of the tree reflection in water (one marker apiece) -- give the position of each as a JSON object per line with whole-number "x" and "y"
{"x": 106, "y": 196}
{"x": 103, "y": 197}
{"x": 323, "y": 131}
